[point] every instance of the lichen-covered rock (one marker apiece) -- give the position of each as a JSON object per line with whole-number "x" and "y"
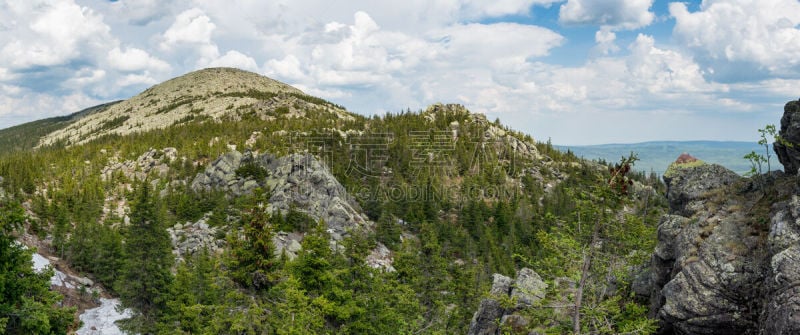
{"x": 381, "y": 258}
{"x": 501, "y": 285}
{"x": 782, "y": 311}
{"x": 152, "y": 162}
{"x": 789, "y": 156}
{"x": 688, "y": 184}
{"x": 297, "y": 181}
{"x": 527, "y": 288}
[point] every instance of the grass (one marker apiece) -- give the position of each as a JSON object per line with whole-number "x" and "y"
{"x": 675, "y": 167}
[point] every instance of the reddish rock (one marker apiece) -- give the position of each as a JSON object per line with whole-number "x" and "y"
{"x": 685, "y": 158}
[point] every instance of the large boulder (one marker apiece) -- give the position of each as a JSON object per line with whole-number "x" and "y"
{"x": 526, "y": 289}
{"x": 690, "y": 182}
{"x": 485, "y": 320}
{"x": 788, "y": 155}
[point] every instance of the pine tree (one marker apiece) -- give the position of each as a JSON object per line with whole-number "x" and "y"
{"x": 148, "y": 258}
{"x": 27, "y": 306}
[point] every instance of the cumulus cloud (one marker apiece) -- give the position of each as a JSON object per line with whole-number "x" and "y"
{"x": 235, "y": 59}
{"x": 192, "y": 26}
{"x": 605, "y": 41}
{"x": 615, "y": 14}
{"x": 134, "y": 59}
{"x": 52, "y": 33}
{"x": 742, "y": 40}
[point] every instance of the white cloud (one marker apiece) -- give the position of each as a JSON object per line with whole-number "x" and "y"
{"x": 235, "y": 59}
{"x": 742, "y": 40}
{"x": 139, "y": 12}
{"x": 192, "y": 26}
{"x": 495, "y": 8}
{"x": 134, "y": 59}
{"x": 492, "y": 42}
{"x": 84, "y": 77}
{"x": 24, "y": 105}
{"x": 616, "y": 14}
{"x": 605, "y": 41}
{"x": 49, "y": 33}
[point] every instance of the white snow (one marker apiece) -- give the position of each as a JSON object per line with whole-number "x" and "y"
{"x": 100, "y": 320}
{"x": 40, "y": 262}
{"x": 96, "y": 321}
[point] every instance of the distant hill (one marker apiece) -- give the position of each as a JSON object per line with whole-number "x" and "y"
{"x": 26, "y": 136}
{"x": 656, "y": 156}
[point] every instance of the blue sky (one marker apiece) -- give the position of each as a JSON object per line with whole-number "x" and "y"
{"x": 574, "y": 71}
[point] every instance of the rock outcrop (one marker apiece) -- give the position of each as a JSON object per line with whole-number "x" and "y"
{"x": 152, "y": 161}
{"x": 491, "y": 315}
{"x": 789, "y": 156}
{"x": 690, "y": 182}
{"x": 726, "y": 261}
{"x": 781, "y": 312}
{"x": 192, "y": 237}
{"x": 297, "y": 181}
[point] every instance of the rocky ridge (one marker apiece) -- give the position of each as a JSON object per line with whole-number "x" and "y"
{"x": 727, "y": 254}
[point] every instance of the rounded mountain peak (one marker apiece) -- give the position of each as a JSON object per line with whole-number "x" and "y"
{"x": 213, "y": 94}
{"x": 216, "y": 81}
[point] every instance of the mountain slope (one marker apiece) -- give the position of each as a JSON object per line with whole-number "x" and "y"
{"x": 26, "y": 136}
{"x": 210, "y": 93}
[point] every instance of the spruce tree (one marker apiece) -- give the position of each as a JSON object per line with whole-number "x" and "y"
{"x": 148, "y": 258}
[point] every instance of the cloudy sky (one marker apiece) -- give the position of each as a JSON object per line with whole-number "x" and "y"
{"x": 575, "y": 71}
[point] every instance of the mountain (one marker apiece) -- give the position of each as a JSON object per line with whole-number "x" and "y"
{"x": 211, "y": 93}
{"x": 225, "y": 202}
{"x": 656, "y": 156}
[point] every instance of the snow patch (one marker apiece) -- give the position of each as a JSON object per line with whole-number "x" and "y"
{"x": 96, "y": 321}
{"x": 101, "y": 320}
{"x": 58, "y": 279}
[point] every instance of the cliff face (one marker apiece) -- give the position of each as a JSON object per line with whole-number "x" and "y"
{"x": 727, "y": 258}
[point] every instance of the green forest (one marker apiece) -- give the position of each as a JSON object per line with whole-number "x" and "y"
{"x": 469, "y": 206}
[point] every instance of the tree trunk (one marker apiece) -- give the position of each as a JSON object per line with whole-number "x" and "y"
{"x": 587, "y": 264}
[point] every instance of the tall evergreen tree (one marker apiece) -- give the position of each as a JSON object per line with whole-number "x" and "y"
{"x": 148, "y": 258}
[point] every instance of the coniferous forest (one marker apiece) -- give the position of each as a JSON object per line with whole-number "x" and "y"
{"x": 452, "y": 199}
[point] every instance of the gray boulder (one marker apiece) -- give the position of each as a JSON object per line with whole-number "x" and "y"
{"x": 789, "y": 156}
{"x": 486, "y": 319}
{"x": 501, "y": 285}
{"x": 689, "y": 184}
{"x": 527, "y": 288}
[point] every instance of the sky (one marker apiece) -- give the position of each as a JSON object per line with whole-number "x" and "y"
{"x": 572, "y": 71}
